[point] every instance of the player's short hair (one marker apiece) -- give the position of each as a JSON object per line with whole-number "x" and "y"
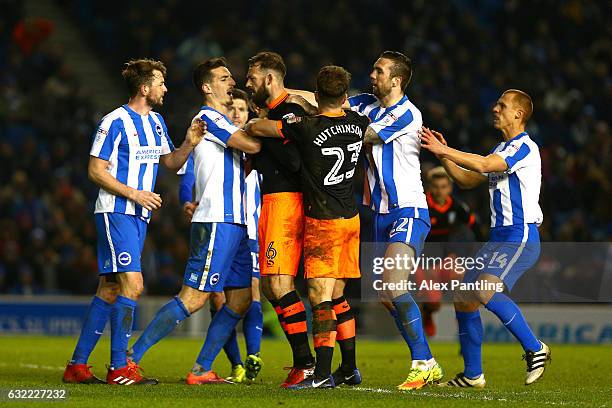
{"x": 140, "y": 72}
{"x": 269, "y": 60}
{"x": 402, "y": 67}
{"x": 240, "y": 94}
{"x": 332, "y": 84}
{"x": 523, "y": 100}
{"x": 202, "y": 73}
{"x": 437, "y": 173}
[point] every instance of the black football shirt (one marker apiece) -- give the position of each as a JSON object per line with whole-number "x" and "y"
{"x": 329, "y": 147}
{"x": 279, "y": 160}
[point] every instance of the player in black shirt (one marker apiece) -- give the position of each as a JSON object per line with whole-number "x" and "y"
{"x": 451, "y": 220}
{"x": 281, "y": 222}
{"x": 329, "y": 145}
{"x": 449, "y": 216}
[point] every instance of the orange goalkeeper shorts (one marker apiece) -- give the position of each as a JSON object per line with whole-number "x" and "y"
{"x": 281, "y": 233}
{"x": 331, "y": 248}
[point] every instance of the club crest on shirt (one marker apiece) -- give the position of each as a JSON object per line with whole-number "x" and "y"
{"x": 388, "y": 119}
{"x": 513, "y": 147}
{"x": 291, "y": 118}
{"x": 159, "y": 130}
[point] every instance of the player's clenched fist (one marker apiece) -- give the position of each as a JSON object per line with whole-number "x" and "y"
{"x": 195, "y": 133}
{"x": 150, "y": 201}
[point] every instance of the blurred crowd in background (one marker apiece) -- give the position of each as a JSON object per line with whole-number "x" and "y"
{"x": 464, "y": 53}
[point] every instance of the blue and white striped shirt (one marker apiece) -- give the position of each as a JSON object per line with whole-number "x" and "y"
{"x": 252, "y": 191}
{"x": 132, "y": 144}
{"x": 515, "y": 193}
{"x": 394, "y": 178}
{"x": 219, "y": 172}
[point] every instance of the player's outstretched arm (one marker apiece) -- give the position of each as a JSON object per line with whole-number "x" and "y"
{"x": 299, "y": 100}
{"x": 241, "y": 140}
{"x": 311, "y": 99}
{"x": 178, "y": 157}
{"x": 464, "y": 177}
{"x": 99, "y": 175}
{"x": 263, "y": 128}
{"x": 371, "y": 136}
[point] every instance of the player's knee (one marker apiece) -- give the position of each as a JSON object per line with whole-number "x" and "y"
{"x": 240, "y": 305}
{"x": 338, "y": 291}
{"x": 280, "y": 287}
{"x": 464, "y": 306}
{"x": 318, "y": 291}
{"x": 194, "y": 303}
{"x": 132, "y": 291}
{"x": 108, "y": 293}
{"x": 484, "y": 296}
{"x": 217, "y": 299}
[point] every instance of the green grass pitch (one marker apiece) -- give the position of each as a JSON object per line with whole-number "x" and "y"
{"x": 578, "y": 376}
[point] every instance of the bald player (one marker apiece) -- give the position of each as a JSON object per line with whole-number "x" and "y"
{"x": 513, "y": 171}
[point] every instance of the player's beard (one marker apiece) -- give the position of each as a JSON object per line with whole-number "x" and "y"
{"x": 381, "y": 90}
{"x": 260, "y": 96}
{"x": 154, "y": 103}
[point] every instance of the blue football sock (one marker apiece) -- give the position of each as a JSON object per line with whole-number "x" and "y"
{"x": 253, "y": 328}
{"x": 232, "y": 351}
{"x": 470, "y": 338}
{"x": 166, "y": 319}
{"x": 410, "y": 316}
{"x": 93, "y": 326}
{"x": 122, "y": 318}
{"x": 219, "y": 331}
{"x": 398, "y": 323}
{"x": 510, "y": 315}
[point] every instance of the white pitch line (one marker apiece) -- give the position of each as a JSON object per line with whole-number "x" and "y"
{"x": 33, "y": 366}
{"x": 366, "y": 389}
{"x": 462, "y": 395}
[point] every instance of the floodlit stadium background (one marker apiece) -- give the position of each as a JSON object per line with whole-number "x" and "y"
{"x": 59, "y": 73}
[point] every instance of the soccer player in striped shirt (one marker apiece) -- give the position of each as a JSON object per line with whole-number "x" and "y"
{"x": 513, "y": 170}
{"x": 253, "y": 320}
{"x": 218, "y": 228}
{"x": 394, "y": 191}
{"x": 128, "y": 146}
